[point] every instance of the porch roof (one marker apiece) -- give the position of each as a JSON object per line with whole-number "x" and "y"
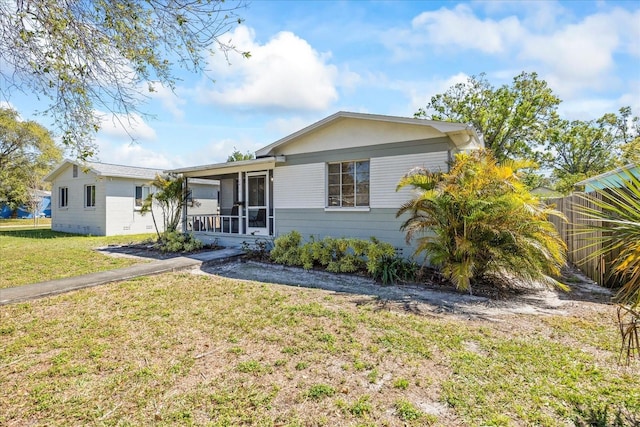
{"x": 218, "y": 169}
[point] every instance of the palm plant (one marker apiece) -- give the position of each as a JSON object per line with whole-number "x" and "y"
{"x": 612, "y": 226}
{"x": 479, "y": 223}
{"x": 613, "y": 215}
{"x": 169, "y": 198}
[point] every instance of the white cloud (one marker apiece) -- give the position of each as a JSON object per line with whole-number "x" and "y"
{"x": 420, "y": 93}
{"x": 460, "y": 28}
{"x": 578, "y": 55}
{"x": 130, "y": 126}
{"x": 286, "y": 72}
{"x": 571, "y": 56}
{"x": 132, "y": 154}
{"x": 217, "y": 151}
{"x": 169, "y": 99}
{"x": 284, "y": 127}
{"x": 7, "y": 105}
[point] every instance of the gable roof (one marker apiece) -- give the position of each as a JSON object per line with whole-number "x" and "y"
{"x": 106, "y": 170}
{"x": 459, "y": 133}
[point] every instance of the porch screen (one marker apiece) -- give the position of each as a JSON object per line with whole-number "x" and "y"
{"x": 348, "y": 184}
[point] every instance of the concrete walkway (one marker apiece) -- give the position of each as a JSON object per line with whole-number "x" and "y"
{"x": 53, "y": 287}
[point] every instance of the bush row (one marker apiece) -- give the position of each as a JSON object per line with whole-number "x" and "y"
{"x": 343, "y": 255}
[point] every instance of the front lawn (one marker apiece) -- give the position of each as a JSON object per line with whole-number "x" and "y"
{"x": 186, "y": 349}
{"x": 8, "y": 223}
{"x": 35, "y": 255}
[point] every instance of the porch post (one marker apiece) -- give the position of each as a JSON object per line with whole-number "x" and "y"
{"x": 185, "y": 192}
{"x": 241, "y": 207}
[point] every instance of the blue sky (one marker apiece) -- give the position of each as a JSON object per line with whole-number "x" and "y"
{"x": 311, "y": 59}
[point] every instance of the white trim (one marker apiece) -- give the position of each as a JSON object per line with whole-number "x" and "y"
{"x": 257, "y": 231}
{"x": 348, "y": 209}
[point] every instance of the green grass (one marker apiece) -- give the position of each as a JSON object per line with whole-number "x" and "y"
{"x": 183, "y": 349}
{"x": 35, "y": 255}
{"x": 8, "y": 223}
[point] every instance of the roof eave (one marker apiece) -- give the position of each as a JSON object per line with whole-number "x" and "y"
{"x": 228, "y": 167}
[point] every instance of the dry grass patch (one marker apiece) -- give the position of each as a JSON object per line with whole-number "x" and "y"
{"x": 202, "y": 350}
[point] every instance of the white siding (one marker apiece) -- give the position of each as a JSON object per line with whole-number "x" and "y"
{"x": 349, "y": 133}
{"x": 122, "y": 215}
{"x": 299, "y": 186}
{"x": 385, "y": 173}
{"x": 75, "y": 218}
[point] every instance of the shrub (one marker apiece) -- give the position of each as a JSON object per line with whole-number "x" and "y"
{"x": 286, "y": 249}
{"x": 259, "y": 250}
{"x": 394, "y": 269}
{"x": 338, "y": 255}
{"x": 174, "y": 241}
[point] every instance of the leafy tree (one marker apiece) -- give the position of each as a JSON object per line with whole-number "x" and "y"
{"x": 237, "y": 156}
{"x": 579, "y": 149}
{"x": 478, "y": 223}
{"x": 532, "y": 178}
{"x": 630, "y": 152}
{"x": 27, "y": 153}
{"x": 88, "y": 55}
{"x": 626, "y": 127}
{"x": 513, "y": 119}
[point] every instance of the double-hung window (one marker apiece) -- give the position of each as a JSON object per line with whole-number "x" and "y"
{"x": 63, "y": 195}
{"x": 89, "y": 196}
{"x": 348, "y": 184}
{"x": 142, "y": 192}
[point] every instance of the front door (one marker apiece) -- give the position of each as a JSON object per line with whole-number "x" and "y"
{"x": 257, "y": 203}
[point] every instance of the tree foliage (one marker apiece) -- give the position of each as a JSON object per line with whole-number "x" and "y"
{"x": 237, "y": 156}
{"x": 513, "y": 119}
{"x": 578, "y": 149}
{"x": 88, "y": 55}
{"x": 478, "y": 223}
{"x": 27, "y": 153}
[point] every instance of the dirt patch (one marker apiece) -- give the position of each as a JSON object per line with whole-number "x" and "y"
{"x": 419, "y": 298}
{"x": 424, "y": 298}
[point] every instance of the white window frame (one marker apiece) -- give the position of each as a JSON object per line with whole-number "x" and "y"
{"x": 63, "y": 197}
{"x": 355, "y": 206}
{"x": 90, "y": 198}
{"x": 137, "y": 203}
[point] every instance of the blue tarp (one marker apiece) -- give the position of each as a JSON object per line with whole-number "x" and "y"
{"x": 5, "y": 212}
{"x": 45, "y": 210}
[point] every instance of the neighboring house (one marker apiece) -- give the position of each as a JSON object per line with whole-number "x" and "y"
{"x": 609, "y": 179}
{"x": 336, "y": 177}
{"x": 43, "y": 199}
{"x": 104, "y": 199}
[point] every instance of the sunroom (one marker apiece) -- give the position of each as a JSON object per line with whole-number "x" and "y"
{"x": 245, "y": 201}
